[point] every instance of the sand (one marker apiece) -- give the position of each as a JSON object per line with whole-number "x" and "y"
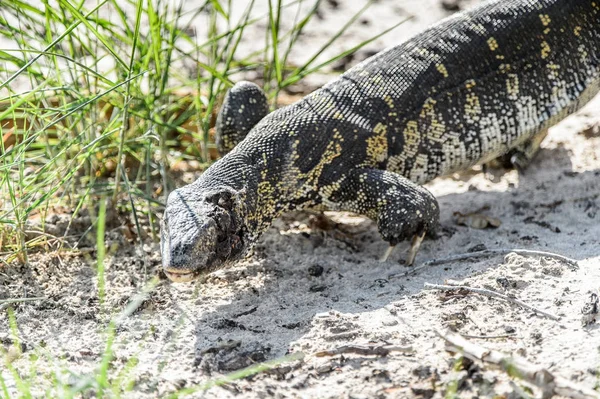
{"x": 306, "y": 289}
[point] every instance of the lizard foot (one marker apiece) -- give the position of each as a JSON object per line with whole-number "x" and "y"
{"x": 514, "y": 159}
{"x": 402, "y": 209}
{"x": 521, "y": 156}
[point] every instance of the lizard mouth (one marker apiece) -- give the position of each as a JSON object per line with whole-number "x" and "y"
{"x": 181, "y": 276}
{"x": 201, "y": 261}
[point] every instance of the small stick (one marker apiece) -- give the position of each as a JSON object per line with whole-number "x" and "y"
{"x": 515, "y": 366}
{"x": 4, "y": 303}
{"x": 365, "y": 350}
{"x": 455, "y": 282}
{"x": 491, "y": 252}
{"x": 408, "y": 272}
{"x": 490, "y": 293}
{"x": 223, "y": 346}
{"x": 489, "y": 336}
{"x": 572, "y": 263}
{"x": 19, "y": 300}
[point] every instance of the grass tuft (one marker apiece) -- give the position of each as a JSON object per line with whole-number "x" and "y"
{"x": 95, "y": 107}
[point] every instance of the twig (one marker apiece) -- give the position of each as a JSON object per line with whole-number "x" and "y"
{"x": 410, "y": 271}
{"x": 490, "y": 293}
{"x": 18, "y": 300}
{"x": 518, "y": 367}
{"x": 488, "y": 336}
{"x": 4, "y": 303}
{"x": 365, "y": 350}
{"x": 490, "y": 252}
{"x": 572, "y": 263}
{"x": 222, "y": 347}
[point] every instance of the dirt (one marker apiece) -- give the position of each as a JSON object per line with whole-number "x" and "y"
{"x": 312, "y": 286}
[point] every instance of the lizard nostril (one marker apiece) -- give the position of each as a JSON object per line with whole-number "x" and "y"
{"x": 224, "y": 249}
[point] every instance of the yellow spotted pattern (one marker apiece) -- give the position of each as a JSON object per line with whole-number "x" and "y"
{"x": 512, "y": 86}
{"x": 442, "y": 69}
{"x": 545, "y": 50}
{"x": 377, "y": 145}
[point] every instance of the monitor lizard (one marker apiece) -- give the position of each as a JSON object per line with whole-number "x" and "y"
{"x": 476, "y": 86}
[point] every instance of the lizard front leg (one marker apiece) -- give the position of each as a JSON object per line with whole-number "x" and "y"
{"x": 401, "y": 208}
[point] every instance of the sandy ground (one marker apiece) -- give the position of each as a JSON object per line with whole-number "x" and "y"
{"x": 308, "y": 289}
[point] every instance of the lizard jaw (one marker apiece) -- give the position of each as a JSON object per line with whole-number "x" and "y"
{"x": 181, "y": 276}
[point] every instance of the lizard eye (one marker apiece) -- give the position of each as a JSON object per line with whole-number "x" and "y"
{"x": 225, "y": 201}
{"x": 222, "y": 199}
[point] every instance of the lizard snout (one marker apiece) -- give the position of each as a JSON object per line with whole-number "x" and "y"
{"x": 188, "y": 250}
{"x": 200, "y": 232}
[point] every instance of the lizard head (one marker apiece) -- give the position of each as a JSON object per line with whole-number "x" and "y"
{"x": 201, "y": 231}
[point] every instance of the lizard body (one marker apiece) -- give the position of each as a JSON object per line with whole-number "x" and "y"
{"x": 467, "y": 90}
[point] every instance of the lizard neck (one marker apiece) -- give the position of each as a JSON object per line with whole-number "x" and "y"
{"x": 275, "y": 183}
{"x": 268, "y": 192}
{"x": 258, "y": 184}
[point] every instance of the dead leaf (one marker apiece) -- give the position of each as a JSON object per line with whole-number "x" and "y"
{"x": 591, "y": 131}
{"x": 476, "y": 220}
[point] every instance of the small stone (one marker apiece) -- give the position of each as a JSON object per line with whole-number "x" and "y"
{"x": 315, "y": 270}
{"x": 537, "y": 337}
{"x": 505, "y": 283}
{"x": 318, "y": 288}
{"x": 510, "y": 329}
{"x": 423, "y": 389}
{"x": 390, "y": 323}
{"x": 451, "y": 5}
{"x": 423, "y": 372}
{"x": 324, "y": 368}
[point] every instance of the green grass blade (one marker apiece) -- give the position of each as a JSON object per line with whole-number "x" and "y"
{"x": 84, "y": 20}
{"x": 54, "y": 42}
{"x": 300, "y": 70}
{"x": 219, "y": 9}
{"x": 297, "y": 76}
{"x": 274, "y": 24}
{"x": 125, "y": 122}
{"x": 238, "y": 375}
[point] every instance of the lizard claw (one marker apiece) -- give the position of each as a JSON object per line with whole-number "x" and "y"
{"x": 387, "y": 253}
{"x": 519, "y": 161}
{"x": 415, "y": 244}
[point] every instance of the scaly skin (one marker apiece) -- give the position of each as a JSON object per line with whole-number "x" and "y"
{"x": 465, "y": 91}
